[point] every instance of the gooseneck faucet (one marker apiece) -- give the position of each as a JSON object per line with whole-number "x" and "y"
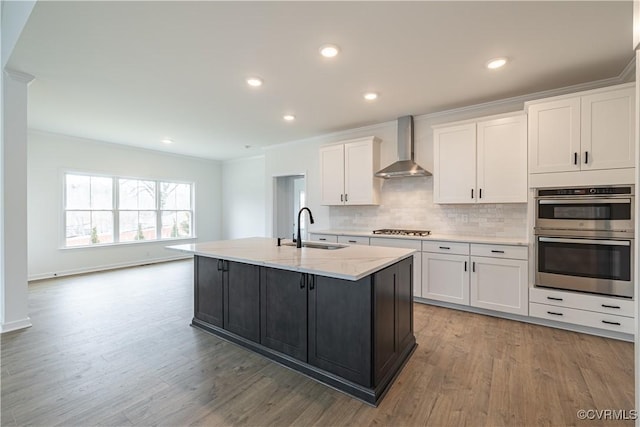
{"x": 298, "y": 238}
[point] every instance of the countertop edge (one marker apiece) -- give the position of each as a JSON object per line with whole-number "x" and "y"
{"x": 486, "y": 240}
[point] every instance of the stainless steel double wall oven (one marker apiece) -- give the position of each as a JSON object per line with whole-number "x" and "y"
{"x": 584, "y": 239}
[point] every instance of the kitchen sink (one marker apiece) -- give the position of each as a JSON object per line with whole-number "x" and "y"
{"x": 317, "y": 245}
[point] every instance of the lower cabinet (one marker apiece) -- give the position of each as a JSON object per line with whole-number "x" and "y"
{"x": 593, "y": 311}
{"x": 242, "y": 299}
{"x": 499, "y": 284}
{"x": 283, "y": 311}
{"x": 340, "y": 327}
{"x": 208, "y": 290}
{"x": 445, "y": 277}
{"x": 492, "y": 277}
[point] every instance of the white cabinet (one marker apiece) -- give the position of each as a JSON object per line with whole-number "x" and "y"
{"x": 594, "y": 311}
{"x": 330, "y": 238}
{"x": 417, "y": 259}
{"x": 353, "y": 240}
{"x": 484, "y": 161}
{"x": 591, "y": 130}
{"x": 347, "y": 172}
{"x": 445, "y": 271}
{"x": 492, "y": 277}
{"x": 499, "y": 284}
{"x": 445, "y": 277}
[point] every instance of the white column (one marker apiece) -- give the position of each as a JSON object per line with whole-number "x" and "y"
{"x": 13, "y": 213}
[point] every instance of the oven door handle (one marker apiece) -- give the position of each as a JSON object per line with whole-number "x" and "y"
{"x": 586, "y": 241}
{"x": 593, "y": 201}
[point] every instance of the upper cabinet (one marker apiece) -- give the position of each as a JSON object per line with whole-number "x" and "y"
{"x": 347, "y": 172}
{"x": 484, "y": 161}
{"x": 587, "y": 131}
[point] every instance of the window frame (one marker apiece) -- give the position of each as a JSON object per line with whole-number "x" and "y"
{"x": 115, "y": 210}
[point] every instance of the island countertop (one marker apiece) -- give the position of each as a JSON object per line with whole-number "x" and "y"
{"x": 350, "y": 263}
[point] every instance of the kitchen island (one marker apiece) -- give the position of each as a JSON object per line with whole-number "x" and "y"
{"x": 342, "y": 315}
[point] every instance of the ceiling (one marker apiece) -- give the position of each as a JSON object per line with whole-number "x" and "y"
{"x": 136, "y": 72}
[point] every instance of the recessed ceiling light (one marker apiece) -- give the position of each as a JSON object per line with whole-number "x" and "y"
{"x": 254, "y": 81}
{"x": 496, "y": 63}
{"x": 289, "y": 117}
{"x": 167, "y": 141}
{"x": 329, "y": 50}
{"x": 370, "y": 96}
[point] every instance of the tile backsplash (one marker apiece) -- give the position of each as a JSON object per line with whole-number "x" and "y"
{"x": 408, "y": 203}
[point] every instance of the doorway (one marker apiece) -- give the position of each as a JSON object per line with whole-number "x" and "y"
{"x": 289, "y": 196}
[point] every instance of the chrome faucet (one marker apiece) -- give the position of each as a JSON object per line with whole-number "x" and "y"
{"x": 299, "y": 239}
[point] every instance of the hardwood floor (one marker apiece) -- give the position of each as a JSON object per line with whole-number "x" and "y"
{"x": 115, "y": 348}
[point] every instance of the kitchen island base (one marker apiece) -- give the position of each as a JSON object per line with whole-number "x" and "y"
{"x": 352, "y": 335}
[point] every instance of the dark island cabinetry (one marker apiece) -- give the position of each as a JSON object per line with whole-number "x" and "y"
{"x": 354, "y": 335}
{"x": 283, "y": 311}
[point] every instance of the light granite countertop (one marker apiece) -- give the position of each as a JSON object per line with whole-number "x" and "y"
{"x": 513, "y": 241}
{"x": 351, "y": 262}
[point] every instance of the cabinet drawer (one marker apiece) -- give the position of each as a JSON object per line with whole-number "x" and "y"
{"x": 396, "y": 243}
{"x": 583, "y": 318}
{"x": 353, "y": 240}
{"x": 323, "y": 238}
{"x": 445, "y": 247}
{"x": 617, "y": 306}
{"x": 499, "y": 251}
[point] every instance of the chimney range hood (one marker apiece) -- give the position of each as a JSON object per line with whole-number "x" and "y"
{"x": 405, "y": 166}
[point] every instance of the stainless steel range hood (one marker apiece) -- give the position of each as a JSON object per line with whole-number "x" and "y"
{"x": 405, "y": 166}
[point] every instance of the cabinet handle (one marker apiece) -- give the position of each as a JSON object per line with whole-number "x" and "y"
{"x": 555, "y": 299}
{"x": 219, "y": 265}
{"x": 225, "y": 265}
{"x": 556, "y": 314}
{"x": 444, "y": 247}
{"x": 322, "y": 239}
{"x": 465, "y": 266}
{"x": 611, "y": 323}
{"x": 346, "y": 197}
{"x": 610, "y": 306}
{"x": 302, "y": 279}
{"x": 586, "y": 157}
{"x": 496, "y": 252}
{"x": 480, "y": 193}
{"x": 473, "y": 266}
{"x": 312, "y": 280}
{"x": 472, "y": 193}
{"x": 575, "y": 158}
{"x": 342, "y": 197}
{"x": 352, "y": 241}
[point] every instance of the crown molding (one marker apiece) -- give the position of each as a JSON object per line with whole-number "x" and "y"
{"x": 627, "y": 75}
{"x": 19, "y": 75}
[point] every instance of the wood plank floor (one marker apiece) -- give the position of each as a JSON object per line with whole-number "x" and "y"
{"x": 115, "y": 348}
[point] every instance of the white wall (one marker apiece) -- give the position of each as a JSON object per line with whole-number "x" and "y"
{"x": 243, "y": 198}
{"x": 50, "y": 155}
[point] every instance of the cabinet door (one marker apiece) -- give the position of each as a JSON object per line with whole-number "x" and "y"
{"x": 608, "y": 122}
{"x": 445, "y": 277}
{"x": 500, "y": 284}
{"x": 554, "y": 136}
{"x": 358, "y": 174}
{"x": 208, "y": 293}
{"x": 242, "y": 299}
{"x": 454, "y": 175}
{"x": 340, "y": 327}
{"x": 502, "y": 160}
{"x": 332, "y": 175}
{"x": 283, "y": 312}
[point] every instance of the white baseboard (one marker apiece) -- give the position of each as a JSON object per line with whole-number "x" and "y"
{"x": 105, "y": 267}
{"x": 15, "y": 325}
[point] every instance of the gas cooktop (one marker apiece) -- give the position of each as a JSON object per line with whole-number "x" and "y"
{"x": 400, "y": 232}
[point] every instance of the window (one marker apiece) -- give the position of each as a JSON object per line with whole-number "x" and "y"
{"x": 100, "y": 210}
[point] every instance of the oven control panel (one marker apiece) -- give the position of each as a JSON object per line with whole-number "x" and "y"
{"x": 585, "y": 191}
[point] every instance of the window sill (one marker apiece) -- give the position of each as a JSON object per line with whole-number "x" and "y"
{"x": 136, "y": 242}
